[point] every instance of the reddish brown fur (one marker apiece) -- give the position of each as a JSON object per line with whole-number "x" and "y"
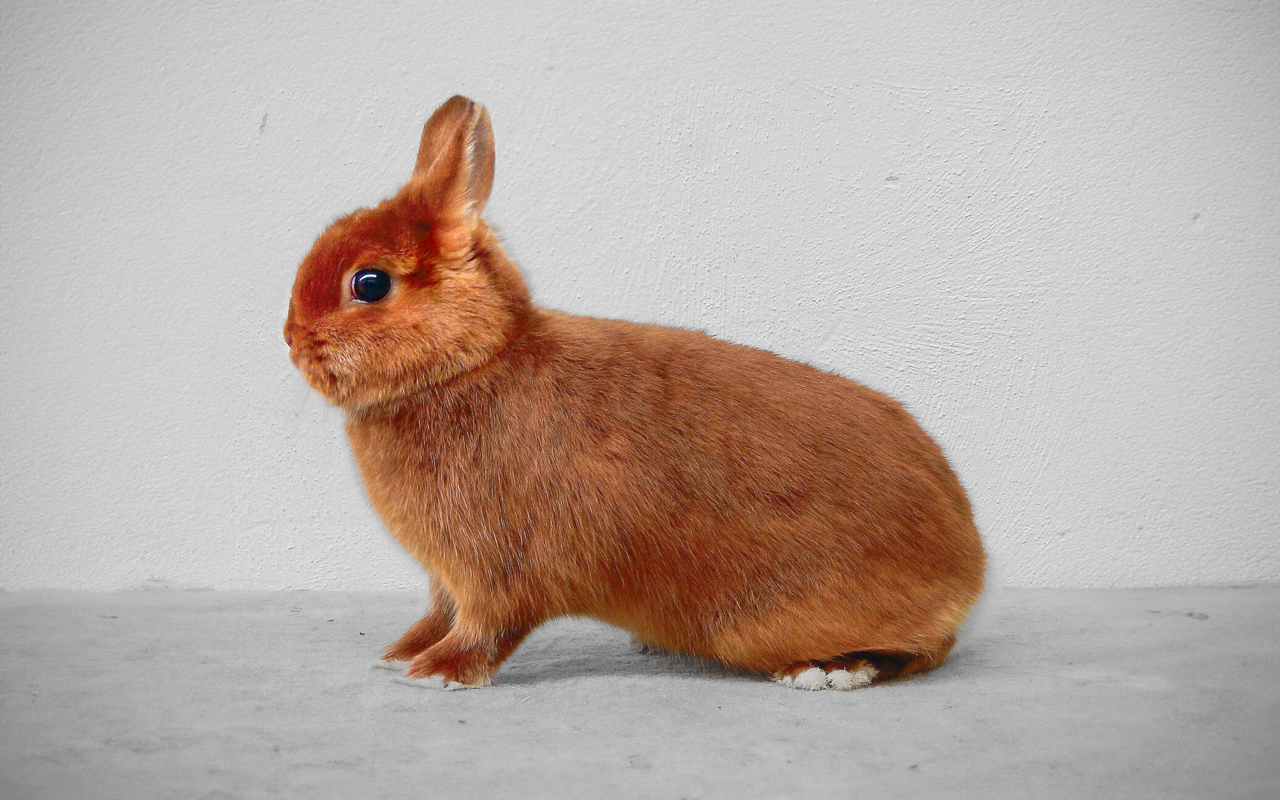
{"x": 713, "y": 499}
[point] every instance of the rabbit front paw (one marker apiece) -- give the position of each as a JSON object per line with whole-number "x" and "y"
{"x": 468, "y": 668}
{"x": 467, "y": 660}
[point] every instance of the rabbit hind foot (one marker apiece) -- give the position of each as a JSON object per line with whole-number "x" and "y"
{"x": 840, "y": 674}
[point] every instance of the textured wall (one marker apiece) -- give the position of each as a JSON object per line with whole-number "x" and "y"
{"x": 1053, "y": 232}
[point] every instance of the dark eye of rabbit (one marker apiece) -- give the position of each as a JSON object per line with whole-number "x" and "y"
{"x": 370, "y": 285}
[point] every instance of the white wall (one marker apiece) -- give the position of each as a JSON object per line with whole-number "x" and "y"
{"x": 1052, "y": 230}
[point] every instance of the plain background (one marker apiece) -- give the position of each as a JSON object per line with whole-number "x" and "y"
{"x": 1051, "y": 229}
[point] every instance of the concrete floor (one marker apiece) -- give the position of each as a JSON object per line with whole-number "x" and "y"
{"x": 1145, "y": 693}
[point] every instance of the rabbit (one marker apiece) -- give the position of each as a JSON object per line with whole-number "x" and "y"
{"x": 713, "y": 499}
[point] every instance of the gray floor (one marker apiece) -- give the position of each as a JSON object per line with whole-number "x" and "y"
{"x": 1145, "y": 693}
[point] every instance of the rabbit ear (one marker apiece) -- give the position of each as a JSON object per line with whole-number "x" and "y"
{"x": 454, "y": 171}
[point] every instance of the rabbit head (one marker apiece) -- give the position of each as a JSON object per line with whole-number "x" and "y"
{"x": 415, "y": 291}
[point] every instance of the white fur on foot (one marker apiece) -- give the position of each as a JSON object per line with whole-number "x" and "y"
{"x": 844, "y": 680}
{"x": 812, "y": 679}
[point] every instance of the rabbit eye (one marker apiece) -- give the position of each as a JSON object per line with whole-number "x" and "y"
{"x": 370, "y": 285}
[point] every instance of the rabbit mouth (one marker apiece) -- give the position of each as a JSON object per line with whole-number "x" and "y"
{"x": 316, "y": 374}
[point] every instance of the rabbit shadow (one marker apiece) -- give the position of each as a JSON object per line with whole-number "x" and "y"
{"x": 571, "y": 650}
{"x": 576, "y": 649}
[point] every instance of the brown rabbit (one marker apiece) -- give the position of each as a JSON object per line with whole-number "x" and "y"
{"x": 713, "y": 499}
